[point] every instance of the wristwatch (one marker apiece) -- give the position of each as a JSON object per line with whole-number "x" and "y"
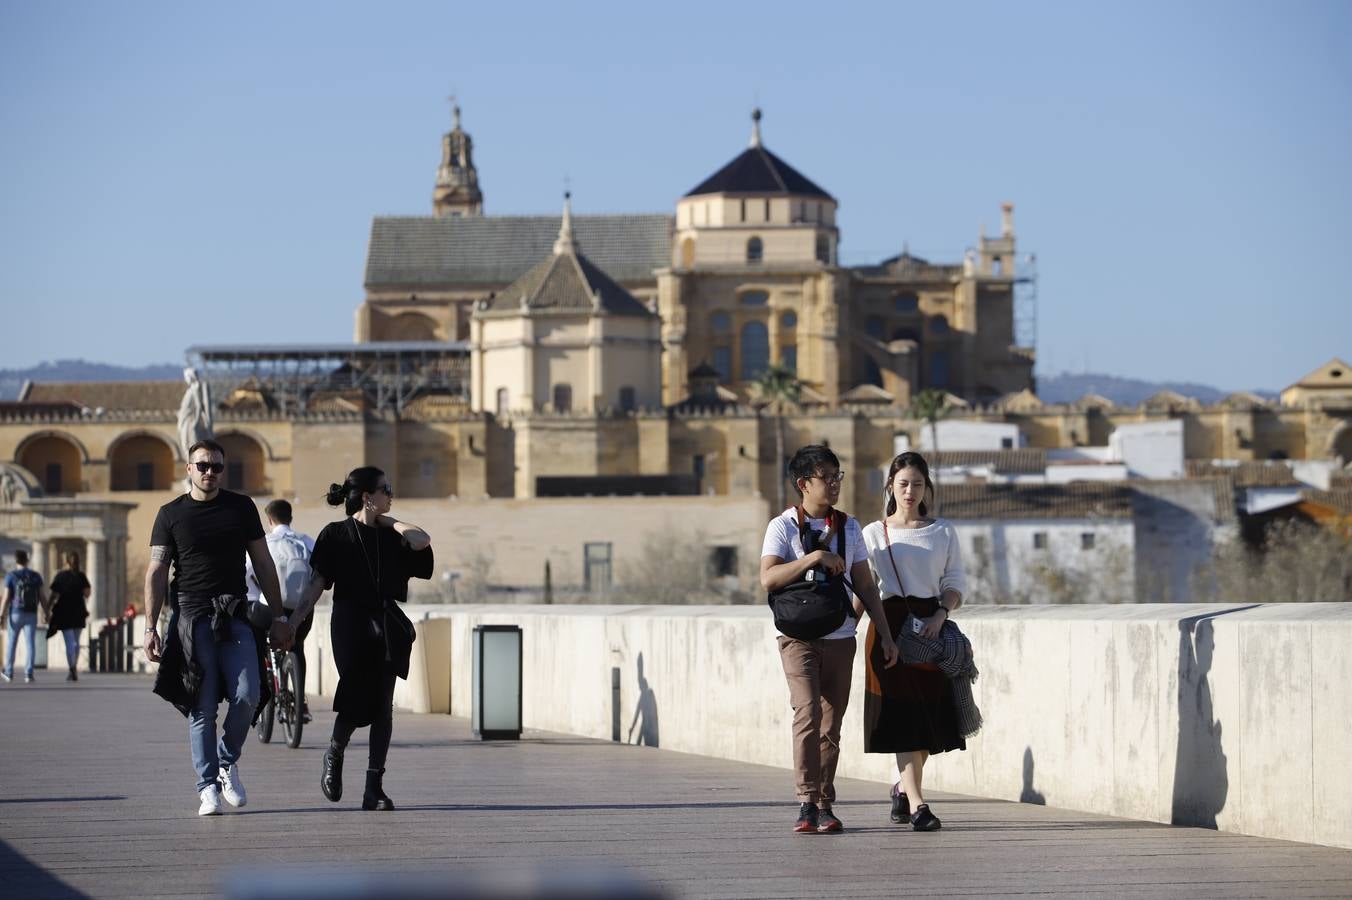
{"x": 151, "y": 630}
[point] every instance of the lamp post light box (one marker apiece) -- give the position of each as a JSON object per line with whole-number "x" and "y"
{"x": 497, "y": 682}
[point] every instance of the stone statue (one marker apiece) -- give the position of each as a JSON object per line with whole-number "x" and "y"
{"x": 9, "y": 487}
{"x": 194, "y": 413}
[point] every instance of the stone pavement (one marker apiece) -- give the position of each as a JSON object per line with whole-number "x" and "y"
{"x": 97, "y": 799}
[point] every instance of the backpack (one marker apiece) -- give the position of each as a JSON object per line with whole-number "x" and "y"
{"x": 808, "y": 610}
{"x": 293, "y": 567}
{"x": 27, "y": 585}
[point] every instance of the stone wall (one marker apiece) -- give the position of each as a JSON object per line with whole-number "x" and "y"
{"x": 1226, "y": 716}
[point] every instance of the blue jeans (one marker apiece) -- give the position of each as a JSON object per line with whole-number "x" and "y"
{"x": 229, "y": 668}
{"x": 72, "y": 636}
{"x": 28, "y": 624}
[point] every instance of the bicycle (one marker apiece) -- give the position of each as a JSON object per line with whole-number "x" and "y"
{"x": 287, "y": 705}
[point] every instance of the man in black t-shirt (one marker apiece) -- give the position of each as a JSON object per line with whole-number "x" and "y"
{"x": 206, "y": 533}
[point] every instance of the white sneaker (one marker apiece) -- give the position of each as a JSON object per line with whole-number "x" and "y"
{"x": 231, "y": 787}
{"x": 211, "y": 801}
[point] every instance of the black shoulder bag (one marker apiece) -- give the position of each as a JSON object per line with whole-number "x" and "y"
{"x": 808, "y": 610}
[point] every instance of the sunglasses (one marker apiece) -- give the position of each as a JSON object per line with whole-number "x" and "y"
{"x": 388, "y": 489}
{"x": 205, "y": 467}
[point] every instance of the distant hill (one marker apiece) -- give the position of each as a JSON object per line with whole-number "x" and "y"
{"x": 1067, "y": 388}
{"x": 11, "y": 380}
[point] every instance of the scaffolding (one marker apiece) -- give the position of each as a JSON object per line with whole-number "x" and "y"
{"x": 1025, "y": 302}
{"x": 388, "y": 375}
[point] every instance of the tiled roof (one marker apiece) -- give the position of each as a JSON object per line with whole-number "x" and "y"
{"x": 1262, "y": 473}
{"x": 758, "y": 171}
{"x": 154, "y": 395}
{"x": 1023, "y": 461}
{"x": 1078, "y": 500}
{"x": 493, "y": 251}
{"x": 566, "y": 281}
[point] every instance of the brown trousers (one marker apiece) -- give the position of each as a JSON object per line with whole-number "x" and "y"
{"x": 819, "y": 674}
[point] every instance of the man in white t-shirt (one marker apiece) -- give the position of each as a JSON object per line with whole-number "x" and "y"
{"x": 290, "y": 551}
{"x": 819, "y": 671}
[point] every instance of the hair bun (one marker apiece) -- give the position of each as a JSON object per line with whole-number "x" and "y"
{"x": 336, "y": 495}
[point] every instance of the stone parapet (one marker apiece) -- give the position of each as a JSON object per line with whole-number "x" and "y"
{"x": 1230, "y": 716}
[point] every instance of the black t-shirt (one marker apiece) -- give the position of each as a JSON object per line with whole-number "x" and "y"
{"x": 351, "y": 555}
{"x": 68, "y": 587}
{"x": 207, "y": 540}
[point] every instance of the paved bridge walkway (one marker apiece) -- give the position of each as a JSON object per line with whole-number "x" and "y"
{"x": 96, "y": 799}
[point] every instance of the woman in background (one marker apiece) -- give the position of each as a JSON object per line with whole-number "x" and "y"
{"x": 70, "y": 590}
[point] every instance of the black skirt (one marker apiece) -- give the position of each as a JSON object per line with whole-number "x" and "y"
{"x": 907, "y": 707}
{"x": 365, "y": 677}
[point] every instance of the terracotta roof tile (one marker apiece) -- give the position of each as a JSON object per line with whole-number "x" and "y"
{"x": 1259, "y": 473}
{"x": 147, "y": 395}
{"x": 1077, "y": 500}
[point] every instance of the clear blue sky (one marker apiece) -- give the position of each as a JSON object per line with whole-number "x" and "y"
{"x": 174, "y": 173}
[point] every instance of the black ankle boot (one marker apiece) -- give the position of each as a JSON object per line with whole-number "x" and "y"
{"x": 331, "y": 780}
{"x": 375, "y": 798}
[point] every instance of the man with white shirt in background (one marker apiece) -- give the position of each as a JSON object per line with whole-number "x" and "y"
{"x": 290, "y": 551}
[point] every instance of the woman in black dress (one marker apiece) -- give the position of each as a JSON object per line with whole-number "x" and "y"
{"x": 70, "y": 590}
{"x": 368, "y": 559}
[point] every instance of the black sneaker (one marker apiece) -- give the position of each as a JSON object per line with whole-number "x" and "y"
{"x": 827, "y": 823}
{"x": 924, "y": 820}
{"x": 901, "y": 807}
{"x": 807, "y": 819}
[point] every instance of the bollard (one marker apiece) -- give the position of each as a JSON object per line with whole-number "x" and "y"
{"x": 129, "y": 641}
{"x": 93, "y": 652}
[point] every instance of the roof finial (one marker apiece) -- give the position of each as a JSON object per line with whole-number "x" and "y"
{"x": 455, "y": 110}
{"x": 565, "y": 242}
{"x": 755, "y": 127}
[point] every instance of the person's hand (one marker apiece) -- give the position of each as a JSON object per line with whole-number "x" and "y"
{"x": 931, "y": 626}
{"x": 833, "y": 564}
{"x": 153, "y": 646}
{"x": 281, "y": 634}
{"x": 891, "y": 655}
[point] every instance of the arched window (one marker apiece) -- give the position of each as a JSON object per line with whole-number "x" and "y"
{"x": 628, "y": 401}
{"x": 788, "y": 320}
{"x": 755, "y": 350}
{"x": 244, "y": 462}
{"x": 788, "y": 357}
{"x": 939, "y": 325}
{"x": 410, "y": 327}
{"x": 721, "y": 323}
{"x": 872, "y": 374}
{"x": 502, "y": 401}
{"x": 754, "y": 298}
{"x": 142, "y": 463}
{"x": 939, "y": 369}
{"x": 56, "y": 463}
{"x": 563, "y": 398}
{"x": 722, "y": 361}
{"x": 755, "y": 250}
{"x": 823, "y": 250}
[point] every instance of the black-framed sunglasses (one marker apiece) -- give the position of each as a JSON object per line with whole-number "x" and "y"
{"x": 205, "y": 467}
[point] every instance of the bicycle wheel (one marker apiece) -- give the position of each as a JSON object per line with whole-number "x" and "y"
{"x": 291, "y": 699}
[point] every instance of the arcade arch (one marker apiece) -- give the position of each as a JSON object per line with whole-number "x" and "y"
{"x": 56, "y": 462}
{"x": 142, "y": 462}
{"x": 245, "y": 463}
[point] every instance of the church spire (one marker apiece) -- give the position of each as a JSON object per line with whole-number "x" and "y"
{"x": 565, "y": 242}
{"x": 457, "y": 190}
{"x": 755, "y": 127}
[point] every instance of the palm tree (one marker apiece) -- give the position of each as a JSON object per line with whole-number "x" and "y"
{"x": 778, "y": 388}
{"x": 931, "y": 405}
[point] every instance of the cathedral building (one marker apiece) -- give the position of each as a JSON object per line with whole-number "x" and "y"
{"x": 744, "y": 275}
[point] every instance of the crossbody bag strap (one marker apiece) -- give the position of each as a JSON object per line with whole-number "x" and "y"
{"x": 887, "y": 539}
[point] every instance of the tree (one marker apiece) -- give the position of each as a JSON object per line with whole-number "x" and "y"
{"x": 778, "y": 390}
{"x": 931, "y": 405}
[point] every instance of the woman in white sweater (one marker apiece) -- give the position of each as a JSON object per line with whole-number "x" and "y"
{"x": 913, "y": 710}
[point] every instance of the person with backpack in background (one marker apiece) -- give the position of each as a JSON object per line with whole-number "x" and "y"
{"x": 290, "y": 551}
{"x": 24, "y": 594}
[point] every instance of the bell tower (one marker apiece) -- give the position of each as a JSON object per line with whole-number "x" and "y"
{"x": 457, "y": 191}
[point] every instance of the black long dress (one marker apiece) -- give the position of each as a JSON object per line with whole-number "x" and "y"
{"x": 354, "y": 556}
